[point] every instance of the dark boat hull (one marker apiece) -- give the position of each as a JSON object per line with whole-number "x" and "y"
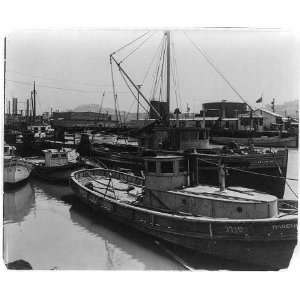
{"x": 269, "y": 244}
{"x": 244, "y": 170}
{"x": 60, "y": 174}
{"x": 279, "y": 142}
{"x": 243, "y": 173}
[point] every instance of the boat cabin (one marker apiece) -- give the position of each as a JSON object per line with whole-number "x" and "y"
{"x": 9, "y": 150}
{"x": 167, "y": 187}
{"x": 55, "y": 158}
{"x": 40, "y": 131}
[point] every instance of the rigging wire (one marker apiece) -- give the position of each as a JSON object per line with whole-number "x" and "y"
{"x": 154, "y": 87}
{"x": 138, "y": 47}
{"x": 176, "y": 74}
{"x": 151, "y": 63}
{"x": 129, "y": 110}
{"x": 114, "y": 89}
{"x": 60, "y": 88}
{"x": 209, "y": 60}
{"x": 127, "y": 84}
{"x": 58, "y": 80}
{"x": 162, "y": 72}
{"x": 250, "y": 172}
{"x": 128, "y": 44}
{"x": 174, "y": 83}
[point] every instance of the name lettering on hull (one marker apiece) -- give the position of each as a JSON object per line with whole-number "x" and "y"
{"x": 285, "y": 226}
{"x": 234, "y": 229}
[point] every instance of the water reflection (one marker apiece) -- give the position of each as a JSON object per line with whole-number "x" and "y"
{"x": 17, "y": 203}
{"x": 123, "y": 248}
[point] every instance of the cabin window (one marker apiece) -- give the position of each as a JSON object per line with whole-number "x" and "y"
{"x": 239, "y": 209}
{"x": 152, "y": 166}
{"x": 167, "y": 167}
{"x": 35, "y": 129}
{"x": 5, "y": 149}
{"x": 182, "y": 166}
{"x": 63, "y": 155}
{"x": 42, "y": 129}
{"x": 54, "y": 155}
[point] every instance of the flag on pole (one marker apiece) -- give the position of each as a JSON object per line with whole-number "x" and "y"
{"x": 259, "y": 100}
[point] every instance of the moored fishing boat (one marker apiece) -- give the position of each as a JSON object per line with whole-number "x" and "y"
{"x": 57, "y": 166}
{"x": 16, "y": 170}
{"x": 168, "y": 133}
{"x": 269, "y": 166}
{"x": 234, "y": 223}
{"x": 263, "y": 141}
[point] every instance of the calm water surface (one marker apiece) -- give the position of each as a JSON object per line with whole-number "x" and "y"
{"x": 44, "y": 226}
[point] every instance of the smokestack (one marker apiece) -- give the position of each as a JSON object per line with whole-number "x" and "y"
{"x": 27, "y": 108}
{"x": 15, "y": 106}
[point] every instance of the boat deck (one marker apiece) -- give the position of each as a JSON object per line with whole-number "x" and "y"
{"x": 113, "y": 188}
{"x": 127, "y": 194}
{"x": 239, "y": 194}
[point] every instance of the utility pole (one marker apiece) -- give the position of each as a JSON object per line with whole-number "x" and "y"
{"x": 273, "y": 105}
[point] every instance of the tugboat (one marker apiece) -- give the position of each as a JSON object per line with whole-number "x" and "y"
{"x": 57, "y": 166}
{"x": 233, "y": 223}
{"x": 16, "y": 170}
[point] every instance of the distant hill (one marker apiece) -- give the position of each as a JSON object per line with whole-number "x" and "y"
{"x": 95, "y": 108}
{"x": 290, "y": 108}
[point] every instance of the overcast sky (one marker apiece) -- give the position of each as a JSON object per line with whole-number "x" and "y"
{"x": 71, "y": 67}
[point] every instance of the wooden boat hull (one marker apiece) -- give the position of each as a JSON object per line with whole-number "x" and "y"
{"x": 290, "y": 142}
{"x": 268, "y": 243}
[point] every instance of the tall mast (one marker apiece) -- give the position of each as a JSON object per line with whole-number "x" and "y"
{"x": 114, "y": 88}
{"x": 4, "y": 72}
{"x": 167, "y": 33}
{"x": 34, "y": 101}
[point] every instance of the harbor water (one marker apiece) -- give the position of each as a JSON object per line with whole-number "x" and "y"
{"x": 45, "y": 226}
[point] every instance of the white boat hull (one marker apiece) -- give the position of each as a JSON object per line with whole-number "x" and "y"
{"x": 16, "y": 171}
